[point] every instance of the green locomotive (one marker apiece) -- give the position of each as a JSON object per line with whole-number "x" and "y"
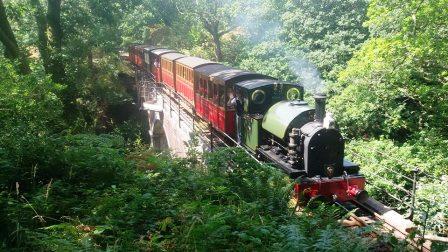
{"x": 274, "y": 122}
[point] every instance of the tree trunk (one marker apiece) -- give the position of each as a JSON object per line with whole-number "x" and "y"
{"x": 12, "y": 50}
{"x": 57, "y": 34}
{"x": 218, "y": 47}
{"x": 213, "y": 28}
{"x": 42, "y": 27}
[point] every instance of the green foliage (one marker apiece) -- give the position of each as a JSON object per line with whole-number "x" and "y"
{"x": 230, "y": 203}
{"x": 385, "y": 165}
{"x": 30, "y": 112}
{"x": 396, "y": 82}
{"x": 25, "y": 99}
{"x": 393, "y": 88}
{"x": 270, "y": 58}
{"x": 101, "y": 97}
{"x": 329, "y": 32}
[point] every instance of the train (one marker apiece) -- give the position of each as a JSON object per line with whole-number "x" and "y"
{"x": 274, "y": 121}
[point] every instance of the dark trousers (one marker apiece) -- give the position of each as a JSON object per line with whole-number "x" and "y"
{"x": 239, "y": 129}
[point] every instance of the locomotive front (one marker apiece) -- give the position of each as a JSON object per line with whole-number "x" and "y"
{"x": 309, "y": 147}
{"x": 301, "y": 140}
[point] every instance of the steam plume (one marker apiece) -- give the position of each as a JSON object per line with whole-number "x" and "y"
{"x": 308, "y": 75}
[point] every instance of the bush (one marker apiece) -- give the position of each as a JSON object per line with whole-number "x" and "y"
{"x": 385, "y": 164}
{"x": 238, "y": 204}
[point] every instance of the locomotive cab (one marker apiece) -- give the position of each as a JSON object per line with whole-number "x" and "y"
{"x": 258, "y": 96}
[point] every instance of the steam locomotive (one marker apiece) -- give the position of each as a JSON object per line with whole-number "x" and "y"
{"x": 276, "y": 123}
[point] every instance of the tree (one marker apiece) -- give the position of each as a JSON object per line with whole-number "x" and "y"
{"x": 42, "y": 27}
{"x": 12, "y": 50}
{"x": 216, "y": 17}
{"x": 396, "y": 84}
{"x": 328, "y": 31}
{"x": 50, "y": 37}
{"x": 56, "y": 36}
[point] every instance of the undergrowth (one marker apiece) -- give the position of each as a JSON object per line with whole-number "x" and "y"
{"x": 108, "y": 200}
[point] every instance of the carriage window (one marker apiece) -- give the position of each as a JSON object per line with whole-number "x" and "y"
{"x": 215, "y": 94}
{"x": 209, "y": 90}
{"x": 196, "y": 87}
{"x": 230, "y": 96}
{"x": 222, "y": 95}
{"x": 204, "y": 88}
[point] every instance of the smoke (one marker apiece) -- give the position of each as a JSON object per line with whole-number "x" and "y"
{"x": 308, "y": 75}
{"x": 263, "y": 25}
{"x": 256, "y": 19}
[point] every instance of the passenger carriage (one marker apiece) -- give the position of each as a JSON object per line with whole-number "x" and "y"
{"x": 139, "y": 54}
{"x": 203, "y": 87}
{"x": 168, "y": 64}
{"x": 153, "y": 60}
{"x": 185, "y": 75}
{"x": 132, "y": 53}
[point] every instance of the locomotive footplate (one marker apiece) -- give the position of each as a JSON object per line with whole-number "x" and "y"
{"x": 282, "y": 162}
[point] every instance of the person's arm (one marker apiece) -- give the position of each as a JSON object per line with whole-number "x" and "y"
{"x": 232, "y": 102}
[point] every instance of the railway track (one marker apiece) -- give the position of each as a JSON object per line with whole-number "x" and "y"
{"x": 372, "y": 212}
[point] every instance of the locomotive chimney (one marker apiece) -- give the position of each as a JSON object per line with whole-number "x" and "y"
{"x": 320, "y": 99}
